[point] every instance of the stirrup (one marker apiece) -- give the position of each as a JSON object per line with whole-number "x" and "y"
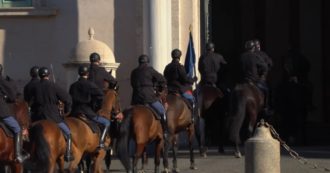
{"x": 21, "y": 158}
{"x": 68, "y": 157}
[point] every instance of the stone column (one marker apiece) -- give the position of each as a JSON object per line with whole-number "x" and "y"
{"x": 160, "y": 34}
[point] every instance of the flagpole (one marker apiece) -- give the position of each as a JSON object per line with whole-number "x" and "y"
{"x": 195, "y": 73}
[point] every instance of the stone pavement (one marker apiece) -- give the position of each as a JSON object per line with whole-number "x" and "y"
{"x": 226, "y": 163}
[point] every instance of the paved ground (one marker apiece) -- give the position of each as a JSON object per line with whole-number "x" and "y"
{"x": 226, "y": 163}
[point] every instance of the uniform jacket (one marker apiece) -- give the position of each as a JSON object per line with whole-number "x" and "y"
{"x": 265, "y": 58}
{"x": 143, "y": 80}
{"x": 98, "y": 75}
{"x": 85, "y": 94}
{"x": 251, "y": 67}
{"x": 46, "y": 96}
{"x": 209, "y": 65}
{"x": 176, "y": 77}
{"x": 28, "y": 88}
{"x": 8, "y": 94}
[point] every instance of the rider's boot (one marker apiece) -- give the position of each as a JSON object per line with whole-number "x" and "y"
{"x": 18, "y": 149}
{"x": 102, "y": 137}
{"x": 68, "y": 153}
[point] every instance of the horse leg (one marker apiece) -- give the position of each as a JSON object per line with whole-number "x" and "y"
{"x": 175, "y": 151}
{"x": 144, "y": 159}
{"x": 138, "y": 153}
{"x": 97, "y": 164}
{"x": 201, "y": 137}
{"x": 165, "y": 152}
{"x": 16, "y": 168}
{"x": 191, "y": 132}
{"x": 60, "y": 163}
{"x": 159, "y": 147}
{"x": 74, "y": 163}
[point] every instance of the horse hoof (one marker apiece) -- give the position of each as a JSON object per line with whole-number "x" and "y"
{"x": 175, "y": 170}
{"x": 141, "y": 171}
{"x": 203, "y": 154}
{"x": 166, "y": 170}
{"x": 238, "y": 154}
{"x": 193, "y": 167}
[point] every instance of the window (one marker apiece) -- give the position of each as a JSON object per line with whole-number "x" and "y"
{"x": 15, "y": 3}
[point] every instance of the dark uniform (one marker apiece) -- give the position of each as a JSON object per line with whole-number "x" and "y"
{"x": 208, "y": 66}
{"x": 176, "y": 77}
{"x": 266, "y": 60}
{"x": 46, "y": 96}
{"x": 99, "y": 75}
{"x": 85, "y": 95}
{"x": 143, "y": 80}
{"x": 28, "y": 88}
{"x": 8, "y": 94}
{"x": 252, "y": 67}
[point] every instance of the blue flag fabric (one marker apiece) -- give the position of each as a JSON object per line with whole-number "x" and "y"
{"x": 189, "y": 63}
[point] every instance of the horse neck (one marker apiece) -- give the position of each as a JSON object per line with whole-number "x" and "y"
{"x": 109, "y": 100}
{"x": 20, "y": 111}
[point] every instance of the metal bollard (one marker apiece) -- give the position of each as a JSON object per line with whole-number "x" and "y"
{"x": 262, "y": 152}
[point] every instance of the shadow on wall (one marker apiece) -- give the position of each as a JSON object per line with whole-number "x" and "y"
{"x": 126, "y": 44}
{"x": 41, "y": 40}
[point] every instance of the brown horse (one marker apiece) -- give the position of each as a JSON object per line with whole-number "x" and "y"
{"x": 140, "y": 124}
{"x": 178, "y": 119}
{"x": 49, "y": 144}
{"x": 211, "y": 110}
{"x": 7, "y": 152}
{"x": 246, "y": 103}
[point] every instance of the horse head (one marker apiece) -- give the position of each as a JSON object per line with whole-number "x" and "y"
{"x": 111, "y": 105}
{"x": 20, "y": 110}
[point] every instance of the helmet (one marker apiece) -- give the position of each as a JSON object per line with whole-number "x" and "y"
{"x": 143, "y": 59}
{"x": 94, "y": 57}
{"x": 249, "y": 45}
{"x": 43, "y": 72}
{"x": 34, "y": 71}
{"x": 83, "y": 70}
{"x": 209, "y": 46}
{"x": 176, "y": 53}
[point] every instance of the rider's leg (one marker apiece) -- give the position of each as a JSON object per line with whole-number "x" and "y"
{"x": 191, "y": 99}
{"x": 106, "y": 123}
{"x": 161, "y": 111}
{"x": 67, "y": 134}
{"x": 264, "y": 88}
{"x": 12, "y": 123}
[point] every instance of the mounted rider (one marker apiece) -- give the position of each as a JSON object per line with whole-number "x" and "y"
{"x": 98, "y": 74}
{"x": 28, "y": 88}
{"x": 253, "y": 68}
{"x": 8, "y": 94}
{"x": 267, "y": 65}
{"x": 209, "y": 66}
{"x": 46, "y": 95}
{"x": 84, "y": 93}
{"x": 144, "y": 79}
{"x": 177, "y": 79}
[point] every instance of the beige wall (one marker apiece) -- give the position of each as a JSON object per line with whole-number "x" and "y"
{"x": 122, "y": 24}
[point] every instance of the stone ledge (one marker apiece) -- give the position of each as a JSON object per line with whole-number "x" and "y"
{"x": 28, "y": 11}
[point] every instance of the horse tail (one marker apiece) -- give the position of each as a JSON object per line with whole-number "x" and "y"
{"x": 237, "y": 115}
{"x": 41, "y": 148}
{"x": 123, "y": 140}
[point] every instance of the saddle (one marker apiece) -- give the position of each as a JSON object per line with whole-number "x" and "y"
{"x": 93, "y": 125}
{"x": 7, "y": 131}
{"x": 190, "y": 106}
{"x": 153, "y": 112}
